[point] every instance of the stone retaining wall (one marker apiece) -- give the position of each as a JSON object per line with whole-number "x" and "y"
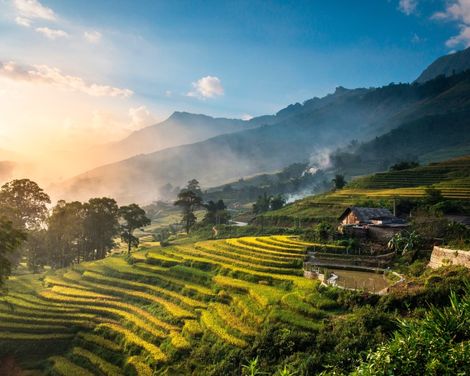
{"x": 444, "y": 256}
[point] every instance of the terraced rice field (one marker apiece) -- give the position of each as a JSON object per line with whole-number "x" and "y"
{"x": 132, "y": 317}
{"x": 452, "y": 176}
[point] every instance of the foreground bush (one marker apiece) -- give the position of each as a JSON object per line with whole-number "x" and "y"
{"x": 439, "y": 344}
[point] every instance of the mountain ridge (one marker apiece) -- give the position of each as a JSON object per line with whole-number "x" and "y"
{"x": 290, "y": 136}
{"x": 447, "y": 65}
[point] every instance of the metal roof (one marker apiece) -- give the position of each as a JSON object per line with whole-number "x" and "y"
{"x": 368, "y": 214}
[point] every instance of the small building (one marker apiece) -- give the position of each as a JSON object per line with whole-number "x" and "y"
{"x": 375, "y": 223}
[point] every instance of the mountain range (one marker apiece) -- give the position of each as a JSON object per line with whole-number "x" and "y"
{"x": 216, "y": 151}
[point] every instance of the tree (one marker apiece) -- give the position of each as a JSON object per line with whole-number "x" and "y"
{"x": 339, "y": 181}
{"x": 101, "y": 225}
{"x": 133, "y": 217}
{"x": 216, "y": 213}
{"x": 277, "y": 202}
{"x": 37, "y": 251}
{"x": 323, "y": 231}
{"x": 10, "y": 240}
{"x": 66, "y": 234}
{"x": 24, "y": 203}
{"x": 405, "y": 165}
{"x": 433, "y": 196}
{"x": 405, "y": 242}
{"x": 262, "y": 204}
{"x": 189, "y": 199}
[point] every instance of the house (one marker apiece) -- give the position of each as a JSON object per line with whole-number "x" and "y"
{"x": 376, "y": 223}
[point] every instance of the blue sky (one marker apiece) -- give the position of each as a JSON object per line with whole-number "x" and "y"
{"x": 126, "y": 64}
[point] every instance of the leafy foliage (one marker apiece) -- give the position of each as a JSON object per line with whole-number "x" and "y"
{"x": 437, "y": 345}
{"x": 189, "y": 199}
{"x": 10, "y": 239}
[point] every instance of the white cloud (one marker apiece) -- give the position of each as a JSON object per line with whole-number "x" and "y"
{"x": 461, "y": 39}
{"x": 22, "y": 21}
{"x": 92, "y": 36}
{"x": 52, "y": 33}
{"x": 458, "y": 11}
{"x": 246, "y": 117}
{"x": 32, "y": 9}
{"x": 140, "y": 117}
{"x": 207, "y": 87}
{"x": 408, "y": 6}
{"x": 53, "y": 76}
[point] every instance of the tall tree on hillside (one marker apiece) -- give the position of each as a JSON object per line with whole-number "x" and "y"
{"x": 189, "y": 199}
{"x": 216, "y": 213}
{"x": 10, "y": 239}
{"x": 339, "y": 181}
{"x": 262, "y": 204}
{"x": 133, "y": 217}
{"x": 24, "y": 203}
{"x": 37, "y": 250}
{"x": 66, "y": 234}
{"x": 101, "y": 225}
{"x": 277, "y": 202}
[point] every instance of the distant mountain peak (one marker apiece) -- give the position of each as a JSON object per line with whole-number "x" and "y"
{"x": 446, "y": 65}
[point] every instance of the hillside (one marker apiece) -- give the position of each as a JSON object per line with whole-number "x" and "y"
{"x": 446, "y": 65}
{"x": 428, "y": 139}
{"x": 317, "y": 124}
{"x": 179, "y": 129}
{"x": 111, "y": 315}
{"x": 451, "y": 177}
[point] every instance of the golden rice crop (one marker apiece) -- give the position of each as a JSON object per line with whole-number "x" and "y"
{"x": 65, "y": 367}
{"x": 105, "y": 367}
{"x": 253, "y": 258}
{"x": 34, "y": 336}
{"x": 69, "y": 291}
{"x": 117, "y": 309}
{"x": 8, "y": 318}
{"x": 140, "y": 367}
{"x": 192, "y": 327}
{"x": 261, "y": 249}
{"x": 39, "y": 313}
{"x": 256, "y": 243}
{"x": 30, "y": 302}
{"x": 215, "y": 259}
{"x": 130, "y": 337}
{"x": 249, "y": 308}
{"x": 210, "y": 322}
{"x": 100, "y": 341}
{"x": 264, "y": 295}
{"x": 19, "y": 326}
{"x": 171, "y": 308}
{"x": 155, "y": 273}
{"x": 131, "y": 284}
{"x": 179, "y": 342}
{"x": 231, "y": 320}
{"x": 248, "y": 250}
{"x": 296, "y": 303}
